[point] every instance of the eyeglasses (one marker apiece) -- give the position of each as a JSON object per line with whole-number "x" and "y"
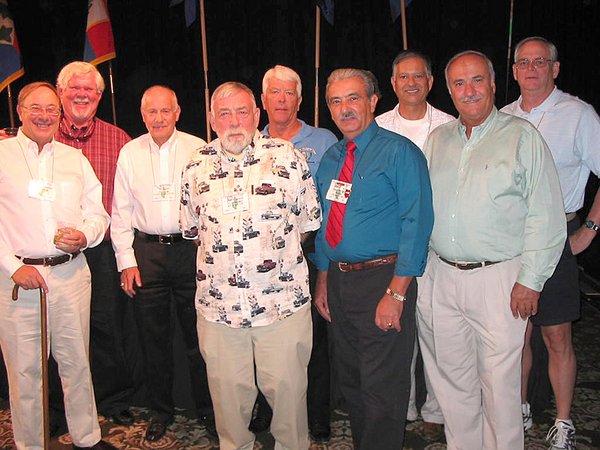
{"x": 538, "y": 63}
{"x": 36, "y": 110}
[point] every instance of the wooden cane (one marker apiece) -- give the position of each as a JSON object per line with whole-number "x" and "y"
{"x": 44, "y": 332}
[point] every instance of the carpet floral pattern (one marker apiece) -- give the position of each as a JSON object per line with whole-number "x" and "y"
{"x": 186, "y": 433}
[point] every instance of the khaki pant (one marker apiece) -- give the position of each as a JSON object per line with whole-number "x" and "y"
{"x": 68, "y": 332}
{"x": 471, "y": 345}
{"x": 281, "y": 352}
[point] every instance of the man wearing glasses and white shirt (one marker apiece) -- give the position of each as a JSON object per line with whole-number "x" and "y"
{"x": 571, "y": 128}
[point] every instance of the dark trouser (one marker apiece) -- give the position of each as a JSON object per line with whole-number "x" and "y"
{"x": 113, "y": 386}
{"x": 168, "y": 278}
{"x": 373, "y": 366}
{"x": 319, "y": 379}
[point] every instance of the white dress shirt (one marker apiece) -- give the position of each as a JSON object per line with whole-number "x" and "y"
{"x": 137, "y": 203}
{"x": 28, "y": 223}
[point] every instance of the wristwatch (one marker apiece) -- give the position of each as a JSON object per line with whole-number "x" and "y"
{"x": 591, "y": 225}
{"x": 395, "y": 295}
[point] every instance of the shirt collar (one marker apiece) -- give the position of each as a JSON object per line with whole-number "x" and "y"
{"x": 480, "y": 130}
{"x": 80, "y": 134}
{"x": 304, "y": 132}
{"x": 31, "y": 145}
{"x": 546, "y": 105}
{"x": 168, "y": 146}
{"x": 363, "y": 139}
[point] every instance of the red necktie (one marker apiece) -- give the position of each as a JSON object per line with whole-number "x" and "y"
{"x": 335, "y": 223}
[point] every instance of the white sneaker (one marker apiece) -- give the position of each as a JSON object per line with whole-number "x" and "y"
{"x": 527, "y": 417}
{"x": 561, "y": 436}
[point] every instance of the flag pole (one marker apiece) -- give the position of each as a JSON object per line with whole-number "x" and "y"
{"x": 205, "y": 63}
{"x": 112, "y": 91}
{"x": 317, "y": 62}
{"x": 510, "y": 33}
{"x": 404, "y": 35}
{"x": 10, "y": 106}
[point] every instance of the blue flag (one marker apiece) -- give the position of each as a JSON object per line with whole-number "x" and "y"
{"x": 11, "y": 66}
{"x": 191, "y": 8}
{"x": 326, "y": 7}
{"x": 395, "y": 8}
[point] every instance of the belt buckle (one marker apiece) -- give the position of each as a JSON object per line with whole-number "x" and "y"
{"x": 165, "y": 239}
{"x": 47, "y": 262}
{"x": 340, "y": 264}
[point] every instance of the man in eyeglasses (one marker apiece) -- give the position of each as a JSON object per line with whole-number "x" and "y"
{"x": 80, "y": 87}
{"x": 42, "y": 184}
{"x": 571, "y": 128}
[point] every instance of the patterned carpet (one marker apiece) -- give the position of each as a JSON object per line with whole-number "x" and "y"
{"x": 186, "y": 433}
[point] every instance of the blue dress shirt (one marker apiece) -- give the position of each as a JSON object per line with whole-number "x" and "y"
{"x": 390, "y": 208}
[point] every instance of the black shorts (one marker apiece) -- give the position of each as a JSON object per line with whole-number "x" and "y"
{"x": 560, "y": 301}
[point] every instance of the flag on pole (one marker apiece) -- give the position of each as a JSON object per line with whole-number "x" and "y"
{"x": 326, "y": 9}
{"x": 99, "y": 41}
{"x": 395, "y": 8}
{"x": 11, "y": 66}
{"x": 191, "y": 10}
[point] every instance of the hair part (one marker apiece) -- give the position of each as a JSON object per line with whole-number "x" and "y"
{"x": 551, "y": 47}
{"x": 79, "y": 68}
{"x": 407, "y": 54}
{"x": 487, "y": 60}
{"x": 371, "y": 84}
{"x": 157, "y": 87}
{"x": 229, "y": 89}
{"x": 282, "y": 73}
{"x": 28, "y": 89}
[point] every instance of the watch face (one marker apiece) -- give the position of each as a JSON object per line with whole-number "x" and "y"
{"x": 591, "y": 225}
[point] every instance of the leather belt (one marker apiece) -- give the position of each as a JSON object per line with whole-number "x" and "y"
{"x": 571, "y": 216}
{"x": 49, "y": 261}
{"x": 469, "y": 266}
{"x": 165, "y": 239}
{"x": 375, "y": 262}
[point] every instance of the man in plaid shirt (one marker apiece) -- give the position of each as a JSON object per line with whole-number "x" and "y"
{"x": 80, "y": 87}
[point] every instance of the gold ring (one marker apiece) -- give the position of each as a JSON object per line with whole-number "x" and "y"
{"x": 390, "y": 324}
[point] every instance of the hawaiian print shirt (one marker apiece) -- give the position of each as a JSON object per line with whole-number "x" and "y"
{"x": 248, "y": 215}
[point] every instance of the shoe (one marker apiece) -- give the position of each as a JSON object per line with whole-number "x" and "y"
{"x": 157, "y": 429}
{"x": 320, "y": 432}
{"x": 259, "y": 425}
{"x": 527, "y": 416}
{"x": 124, "y": 418}
{"x": 208, "y": 422}
{"x": 102, "y": 445}
{"x": 561, "y": 436}
{"x": 432, "y": 432}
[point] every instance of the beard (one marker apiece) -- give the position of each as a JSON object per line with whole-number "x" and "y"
{"x": 236, "y": 144}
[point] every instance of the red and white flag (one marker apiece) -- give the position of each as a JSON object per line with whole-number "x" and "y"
{"x": 99, "y": 41}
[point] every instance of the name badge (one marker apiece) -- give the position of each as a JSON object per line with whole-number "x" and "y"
{"x": 163, "y": 192}
{"x": 42, "y": 190}
{"x": 339, "y": 191}
{"x": 235, "y": 203}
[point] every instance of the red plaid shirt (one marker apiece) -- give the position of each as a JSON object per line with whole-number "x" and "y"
{"x": 101, "y": 148}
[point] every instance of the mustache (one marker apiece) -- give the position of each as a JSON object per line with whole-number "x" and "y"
{"x": 470, "y": 98}
{"x": 348, "y": 115}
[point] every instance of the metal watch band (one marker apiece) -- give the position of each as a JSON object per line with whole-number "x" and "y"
{"x": 395, "y": 295}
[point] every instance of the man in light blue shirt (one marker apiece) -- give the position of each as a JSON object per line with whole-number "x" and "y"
{"x": 281, "y": 99}
{"x": 571, "y": 128}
